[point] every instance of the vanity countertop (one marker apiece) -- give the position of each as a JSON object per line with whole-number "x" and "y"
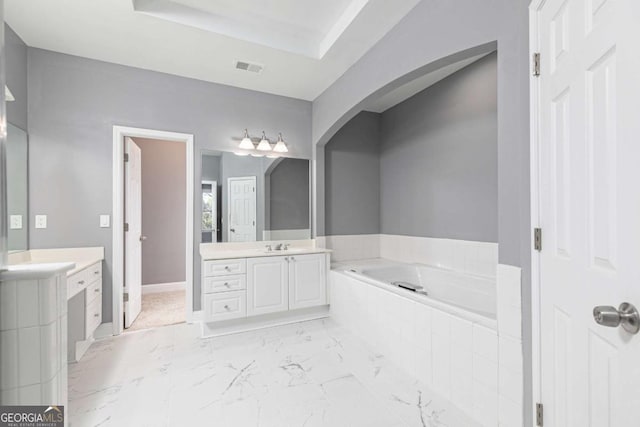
{"x": 230, "y": 250}
{"x": 210, "y": 255}
{"x": 35, "y": 270}
{"x": 79, "y": 258}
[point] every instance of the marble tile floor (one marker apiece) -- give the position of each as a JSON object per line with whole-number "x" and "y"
{"x": 305, "y": 374}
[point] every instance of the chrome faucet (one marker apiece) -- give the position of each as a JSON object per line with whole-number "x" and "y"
{"x": 279, "y": 247}
{"x": 269, "y": 248}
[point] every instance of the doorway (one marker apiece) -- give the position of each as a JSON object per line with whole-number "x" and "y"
{"x": 153, "y": 228}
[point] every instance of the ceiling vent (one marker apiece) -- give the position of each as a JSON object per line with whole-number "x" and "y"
{"x": 252, "y": 67}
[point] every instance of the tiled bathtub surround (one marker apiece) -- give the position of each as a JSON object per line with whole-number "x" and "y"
{"x": 479, "y": 258}
{"x": 510, "y": 345}
{"x": 478, "y": 368}
{"x": 33, "y": 337}
{"x": 348, "y": 248}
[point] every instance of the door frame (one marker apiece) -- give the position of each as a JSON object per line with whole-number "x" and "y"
{"x": 117, "y": 276}
{"x": 255, "y": 182}
{"x": 536, "y": 284}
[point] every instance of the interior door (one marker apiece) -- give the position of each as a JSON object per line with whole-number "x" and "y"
{"x": 307, "y": 281}
{"x": 589, "y": 148}
{"x": 242, "y": 209}
{"x": 133, "y": 237}
{"x": 267, "y": 285}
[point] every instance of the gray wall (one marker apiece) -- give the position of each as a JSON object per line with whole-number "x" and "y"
{"x": 164, "y": 180}
{"x": 16, "y": 69}
{"x": 352, "y": 177}
{"x": 439, "y": 159}
{"x": 434, "y": 34}
{"x": 210, "y": 167}
{"x": 17, "y": 185}
{"x": 3, "y": 159}
{"x": 73, "y": 105}
{"x": 289, "y": 195}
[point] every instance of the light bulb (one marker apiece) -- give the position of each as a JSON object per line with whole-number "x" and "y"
{"x": 246, "y": 143}
{"x": 264, "y": 144}
{"x": 280, "y": 146}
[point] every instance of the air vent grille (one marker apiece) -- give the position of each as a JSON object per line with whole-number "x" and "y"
{"x": 252, "y": 67}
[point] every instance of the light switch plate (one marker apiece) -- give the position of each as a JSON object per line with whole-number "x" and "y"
{"x": 41, "y": 221}
{"x": 15, "y": 222}
{"x": 104, "y": 221}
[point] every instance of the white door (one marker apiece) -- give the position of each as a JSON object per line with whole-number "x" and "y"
{"x": 242, "y": 209}
{"x": 589, "y": 182}
{"x": 267, "y": 285}
{"x": 307, "y": 281}
{"x": 133, "y": 237}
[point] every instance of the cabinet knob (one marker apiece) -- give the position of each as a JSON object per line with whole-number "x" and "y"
{"x": 226, "y": 284}
{"x": 96, "y": 290}
{"x": 226, "y": 267}
{"x": 96, "y": 315}
{"x": 81, "y": 282}
{"x": 226, "y": 307}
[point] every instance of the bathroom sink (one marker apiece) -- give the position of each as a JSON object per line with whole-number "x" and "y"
{"x": 288, "y": 251}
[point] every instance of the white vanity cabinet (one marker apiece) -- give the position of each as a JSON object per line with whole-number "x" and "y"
{"x": 267, "y": 285}
{"x": 263, "y": 285}
{"x": 307, "y": 281}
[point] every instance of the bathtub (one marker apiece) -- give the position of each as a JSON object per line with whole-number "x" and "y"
{"x": 468, "y": 296}
{"x": 437, "y": 325}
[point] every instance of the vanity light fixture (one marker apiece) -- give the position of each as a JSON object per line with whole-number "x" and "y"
{"x": 257, "y": 155}
{"x": 280, "y": 146}
{"x": 264, "y": 144}
{"x": 241, "y": 154}
{"x": 246, "y": 143}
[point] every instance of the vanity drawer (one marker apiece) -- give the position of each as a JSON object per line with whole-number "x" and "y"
{"x": 225, "y": 306}
{"x": 224, "y": 284}
{"x": 93, "y": 317}
{"x": 95, "y": 272}
{"x": 225, "y": 267}
{"x": 77, "y": 283}
{"x": 94, "y": 290}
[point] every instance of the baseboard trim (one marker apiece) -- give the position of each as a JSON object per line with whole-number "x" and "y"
{"x": 163, "y": 287}
{"x": 103, "y": 331}
{"x": 228, "y": 327}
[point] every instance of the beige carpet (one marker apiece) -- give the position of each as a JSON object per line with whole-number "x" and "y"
{"x": 160, "y": 309}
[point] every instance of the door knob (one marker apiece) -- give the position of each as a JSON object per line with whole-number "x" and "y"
{"x": 233, "y": 230}
{"x": 626, "y": 316}
{"x": 143, "y": 238}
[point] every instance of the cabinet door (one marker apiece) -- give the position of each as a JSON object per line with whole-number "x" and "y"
{"x": 307, "y": 281}
{"x": 267, "y": 285}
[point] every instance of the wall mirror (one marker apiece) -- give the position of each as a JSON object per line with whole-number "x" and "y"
{"x": 17, "y": 188}
{"x": 248, "y": 199}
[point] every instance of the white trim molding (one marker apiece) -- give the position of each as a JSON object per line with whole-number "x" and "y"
{"x": 156, "y": 288}
{"x": 119, "y": 133}
{"x": 534, "y": 100}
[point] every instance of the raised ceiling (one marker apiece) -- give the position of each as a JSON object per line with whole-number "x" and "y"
{"x": 304, "y": 45}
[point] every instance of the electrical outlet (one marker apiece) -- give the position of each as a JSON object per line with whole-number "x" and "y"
{"x": 104, "y": 221}
{"x": 15, "y": 222}
{"x": 41, "y": 221}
